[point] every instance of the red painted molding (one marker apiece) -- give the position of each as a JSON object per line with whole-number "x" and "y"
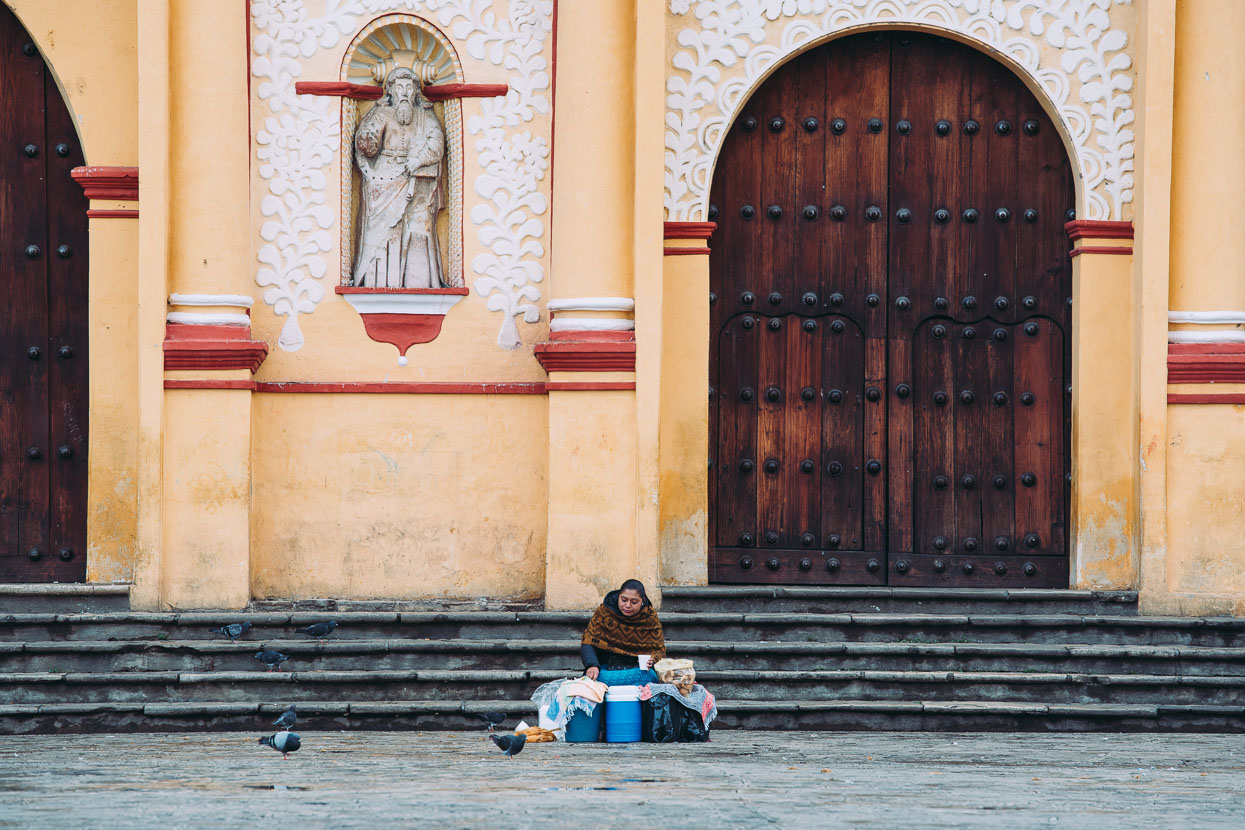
{"x": 685, "y": 251}
{"x": 1206, "y": 363}
{"x": 689, "y": 230}
{"x": 404, "y": 388}
{"x": 368, "y": 92}
{"x": 1233, "y": 399}
{"x": 594, "y": 336}
{"x": 107, "y": 182}
{"x": 350, "y": 289}
{"x": 590, "y": 386}
{"x": 340, "y": 89}
{"x": 1102, "y": 249}
{"x": 212, "y": 348}
{"x": 93, "y": 213}
{"x": 1096, "y": 229}
{"x": 210, "y": 384}
{"x": 442, "y": 92}
{"x": 400, "y": 388}
{"x": 571, "y": 356}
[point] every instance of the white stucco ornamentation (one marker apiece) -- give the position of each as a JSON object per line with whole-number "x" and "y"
{"x": 299, "y": 139}
{"x": 1069, "y": 48}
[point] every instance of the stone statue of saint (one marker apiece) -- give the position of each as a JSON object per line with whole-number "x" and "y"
{"x": 398, "y": 150}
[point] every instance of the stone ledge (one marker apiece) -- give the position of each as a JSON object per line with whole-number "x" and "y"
{"x": 65, "y": 589}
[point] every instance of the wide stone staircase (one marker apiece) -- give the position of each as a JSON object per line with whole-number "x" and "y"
{"x": 776, "y": 658}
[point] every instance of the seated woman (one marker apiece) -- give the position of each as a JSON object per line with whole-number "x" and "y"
{"x": 622, "y": 629}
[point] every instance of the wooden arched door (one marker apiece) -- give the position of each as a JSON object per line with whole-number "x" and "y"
{"x": 890, "y": 363}
{"x": 43, "y": 323}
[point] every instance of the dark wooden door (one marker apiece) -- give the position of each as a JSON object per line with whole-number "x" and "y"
{"x": 43, "y": 323}
{"x": 890, "y": 318}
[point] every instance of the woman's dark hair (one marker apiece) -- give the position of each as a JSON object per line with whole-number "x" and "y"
{"x": 637, "y": 586}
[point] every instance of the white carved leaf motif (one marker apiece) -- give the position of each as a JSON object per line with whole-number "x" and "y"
{"x": 298, "y": 141}
{"x": 726, "y": 39}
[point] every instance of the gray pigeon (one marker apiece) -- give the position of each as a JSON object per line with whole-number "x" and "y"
{"x": 287, "y": 719}
{"x": 271, "y": 658}
{"x": 510, "y": 745}
{"x": 492, "y": 720}
{"x": 319, "y": 630}
{"x": 233, "y": 631}
{"x": 283, "y": 742}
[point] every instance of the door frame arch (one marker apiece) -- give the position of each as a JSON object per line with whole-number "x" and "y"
{"x": 1103, "y": 515}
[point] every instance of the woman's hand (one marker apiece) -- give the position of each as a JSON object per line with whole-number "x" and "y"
{"x": 592, "y": 673}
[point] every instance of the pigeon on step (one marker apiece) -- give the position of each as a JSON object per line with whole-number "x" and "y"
{"x": 271, "y": 658}
{"x": 510, "y": 745}
{"x": 492, "y": 720}
{"x": 233, "y": 631}
{"x": 287, "y": 719}
{"x": 319, "y": 630}
{"x": 283, "y": 742}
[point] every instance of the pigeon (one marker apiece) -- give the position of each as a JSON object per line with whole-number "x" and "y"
{"x": 319, "y": 630}
{"x": 233, "y": 631}
{"x": 287, "y": 718}
{"x": 271, "y": 658}
{"x": 283, "y": 742}
{"x": 492, "y": 720}
{"x": 510, "y": 745}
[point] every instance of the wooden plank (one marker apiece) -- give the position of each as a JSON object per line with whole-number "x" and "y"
{"x": 68, "y": 274}
{"x": 802, "y": 439}
{"x": 737, "y": 488}
{"x": 934, "y": 406}
{"x": 771, "y": 491}
{"x": 23, "y": 222}
{"x": 971, "y": 378}
{"x": 842, "y": 433}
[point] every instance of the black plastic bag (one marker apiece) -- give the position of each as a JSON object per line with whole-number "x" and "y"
{"x": 660, "y": 720}
{"x": 664, "y": 721}
{"x": 693, "y": 729}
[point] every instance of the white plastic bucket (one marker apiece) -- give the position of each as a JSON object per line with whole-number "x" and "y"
{"x": 622, "y": 693}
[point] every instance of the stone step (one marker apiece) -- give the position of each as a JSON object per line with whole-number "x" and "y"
{"x": 63, "y": 598}
{"x": 752, "y": 599}
{"x": 1221, "y": 632}
{"x": 60, "y": 656}
{"x": 931, "y": 714}
{"x": 432, "y": 684}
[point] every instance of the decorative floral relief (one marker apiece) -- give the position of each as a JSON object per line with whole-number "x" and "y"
{"x": 721, "y": 57}
{"x": 299, "y": 140}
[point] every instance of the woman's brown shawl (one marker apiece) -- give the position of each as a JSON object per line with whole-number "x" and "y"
{"x": 633, "y": 636}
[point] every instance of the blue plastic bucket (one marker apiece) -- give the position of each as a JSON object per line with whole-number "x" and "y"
{"x": 584, "y": 728}
{"x": 622, "y": 714}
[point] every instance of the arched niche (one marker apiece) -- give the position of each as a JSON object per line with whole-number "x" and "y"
{"x": 404, "y": 36}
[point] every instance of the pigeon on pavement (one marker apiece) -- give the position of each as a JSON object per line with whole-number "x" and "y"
{"x": 271, "y": 658}
{"x": 233, "y": 631}
{"x": 287, "y": 719}
{"x": 319, "y": 630}
{"x": 283, "y": 742}
{"x": 492, "y": 719}
{"x": 510, "y": 745}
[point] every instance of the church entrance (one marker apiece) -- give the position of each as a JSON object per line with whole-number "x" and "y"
{"x": 890, "y": 363}
{"x": 43, "y": 323}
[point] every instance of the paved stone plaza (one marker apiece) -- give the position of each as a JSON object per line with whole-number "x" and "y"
{"x": 741, "y": 779}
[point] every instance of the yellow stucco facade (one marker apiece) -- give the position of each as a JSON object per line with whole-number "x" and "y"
{"x": 551, "y": 440}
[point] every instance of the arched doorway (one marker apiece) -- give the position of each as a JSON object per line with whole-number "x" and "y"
{"x": 43, "y": 323}
{"x": 890, "y": 363}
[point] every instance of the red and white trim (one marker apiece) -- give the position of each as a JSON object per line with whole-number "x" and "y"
{"x": 589, "y": 344}
{"x": 211, "y": 340}
{"x": 402, "y": 317}
{"x": 113, "y": 183}
{"x": 688, "y": 230}
{"x": 1236, "y": 319}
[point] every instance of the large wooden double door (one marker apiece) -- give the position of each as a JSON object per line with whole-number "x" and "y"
{"x": 43, "y": 323}
{"x": 890, "y": 363}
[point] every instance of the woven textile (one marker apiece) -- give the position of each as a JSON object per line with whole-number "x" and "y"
{"x": 635, "y": 635}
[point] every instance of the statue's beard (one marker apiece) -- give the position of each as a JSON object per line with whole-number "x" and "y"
{"x": 405, "y": 112}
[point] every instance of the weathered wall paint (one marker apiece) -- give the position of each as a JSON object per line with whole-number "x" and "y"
{"x": 1205, "y": 567}
{"x": 398, "y": 496}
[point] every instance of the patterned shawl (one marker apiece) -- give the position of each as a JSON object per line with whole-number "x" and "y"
{"x": 633, "y": 636}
